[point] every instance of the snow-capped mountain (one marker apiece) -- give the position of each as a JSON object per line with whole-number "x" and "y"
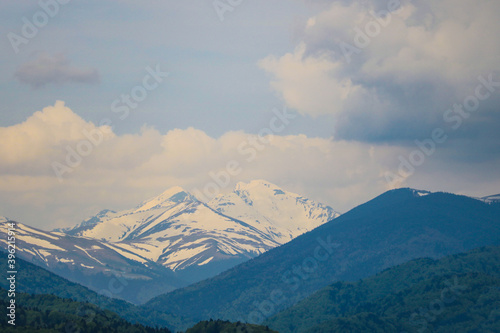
{"x": 281, "y": 214}
{"x": 178, "y": 231}
{"x": 87, "y": 224}
{"x": 174, "y": 237}
{"x": 491, "y": 198}
{"x": 53, "y": 247}
{"x": 88, "y": 261}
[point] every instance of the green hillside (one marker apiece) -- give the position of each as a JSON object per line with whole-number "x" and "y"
{"x": 33, "y": 279}
{"x": 220, "y": 326}
{"x": 48, "y": 313}
{"x": 458, "y": 293}
{"x": 50, "y": 303}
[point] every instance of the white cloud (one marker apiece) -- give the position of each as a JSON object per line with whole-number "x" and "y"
{"x": 310, "y": 85}
{"x": 376, "y": 74}
{"x": 125, "y": 169}
{"x": 41, "y": 136}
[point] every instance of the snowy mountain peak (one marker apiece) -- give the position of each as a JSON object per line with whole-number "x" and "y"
{"x": 255, "y": 185}
{"x": 176, "y": 230}
{"x": 491, "y": 198}
{"x": 283, "y": 215}
{"x": 170, "y": 197}
{"x": 260, "y": 190}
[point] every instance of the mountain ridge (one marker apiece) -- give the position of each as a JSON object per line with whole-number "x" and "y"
{"x": 394, "y": 227}
{"x": 148, "y": 228}
{"x": 178, "y": 238}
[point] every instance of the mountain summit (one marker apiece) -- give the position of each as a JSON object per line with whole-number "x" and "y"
{"x": 170, "y": 197}
{"x": 281, "y": 214}
{"x": 196, "y": 240}
{"x": 175, "y": 238}
{"x": 178, "y": 231}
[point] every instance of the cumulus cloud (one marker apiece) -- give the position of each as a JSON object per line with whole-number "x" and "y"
{"x": 28, "y": 146}
{"x": 54, "y": 69}
{"x": 118, "y": 171}
{"x": 302, "y": 79}
{"x": 100, "y": 169}
{"x": 388, "y": 70}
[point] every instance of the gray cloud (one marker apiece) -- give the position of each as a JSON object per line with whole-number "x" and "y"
{"x": 54, "y": 69}
{"x": 399, "y": 84}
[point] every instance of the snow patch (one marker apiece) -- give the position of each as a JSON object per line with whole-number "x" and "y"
{"x": 82, "y": 249}
{"x": 40, "y": 243}
{"x": 34, "y": 231}
{"x": 126, "y": 254}
{"x": 205, "y": 262}
{"x": 66, "y": 260}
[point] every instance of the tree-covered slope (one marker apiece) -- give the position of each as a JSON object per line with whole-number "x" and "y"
{"x": 48, "y": 313}
{"x": 33, "y": 279}
{"x": 451, "y": 294}
{"x": 220, "y": 326}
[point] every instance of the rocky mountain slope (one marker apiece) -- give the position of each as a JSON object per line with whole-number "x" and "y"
{"x": 173, "y": 239}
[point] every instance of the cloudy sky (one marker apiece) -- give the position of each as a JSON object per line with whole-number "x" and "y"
{"x": 108, "y": 103}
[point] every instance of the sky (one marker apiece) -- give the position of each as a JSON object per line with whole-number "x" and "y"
{"x": 105, "y": 104}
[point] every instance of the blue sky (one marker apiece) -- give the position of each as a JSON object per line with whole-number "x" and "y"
{"x": 213, "y": 64}
{"x": 380, "y": 94}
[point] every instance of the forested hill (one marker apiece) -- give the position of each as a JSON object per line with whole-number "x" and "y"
{"x": 48, "y": 313}
{"x": 459, "y": 293}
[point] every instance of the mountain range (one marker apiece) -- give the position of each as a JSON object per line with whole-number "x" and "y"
{"x": 456, "y": 293}
{"x": 173, "y": 239}
{"x": 395, "y": 227}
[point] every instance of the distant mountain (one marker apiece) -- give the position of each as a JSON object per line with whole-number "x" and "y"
{"x": 177, "y": 231}
{"x": 92, "y": 263}
{"x": 173, "y": 239}
{"x": 463, "y": 288}
{"x": 86, "y": 224}
{"x": 391, "y": 229}
{"x": 491, "y": 198}
{"x": 199, "y": 240}
{"x": 281, "y": 214}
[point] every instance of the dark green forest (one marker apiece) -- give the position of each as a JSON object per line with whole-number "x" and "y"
{"x": 36, "y": 280}
{"x": 220, "y": 326}
{"x": 49, "y": 313}
{"x": 458, "y": 293}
